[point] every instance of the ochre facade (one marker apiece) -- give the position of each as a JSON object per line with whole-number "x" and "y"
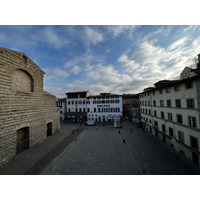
{"x": 28, "y": 114}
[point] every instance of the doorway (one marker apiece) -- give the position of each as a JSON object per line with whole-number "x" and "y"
{"x": 164, "y": 139}
{"x": 49, "y": 129}
{"x": 22, "y": 140}
{"x": 195, "y": 158}
{"x": 156, "y": 132}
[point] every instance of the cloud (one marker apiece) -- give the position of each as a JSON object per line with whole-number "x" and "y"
{"x": 191, "y": 28}
{"x": 76, "y": 70}
{"x": 148, "y": 53}
{"x": 53, "y": 38}
{"x": 178, "y": 43}
{"x": 116, "y": 31}
{"x": 91, "y": 36}
{"x": 55, "y": 74}
{"x": 32, "y": 36}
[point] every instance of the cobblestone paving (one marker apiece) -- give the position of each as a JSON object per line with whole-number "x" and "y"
{"x": 102, "y": 150}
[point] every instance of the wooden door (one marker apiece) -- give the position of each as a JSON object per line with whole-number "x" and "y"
{"x": 22, "y": 139}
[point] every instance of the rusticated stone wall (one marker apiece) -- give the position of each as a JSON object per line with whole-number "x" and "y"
{"x": 23, "y": 104}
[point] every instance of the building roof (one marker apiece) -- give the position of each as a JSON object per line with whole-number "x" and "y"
{"x": 77, "y": 92}
{"x": 171, "y": 83}
{"x": 104, "y": 95}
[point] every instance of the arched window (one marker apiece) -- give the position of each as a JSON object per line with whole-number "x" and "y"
{"x": 22, "y": 81}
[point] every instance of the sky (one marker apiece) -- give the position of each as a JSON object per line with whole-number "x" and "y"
{"x": 104, "y": 58}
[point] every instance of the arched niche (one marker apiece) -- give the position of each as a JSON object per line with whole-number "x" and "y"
{"x": 22, "y": 81}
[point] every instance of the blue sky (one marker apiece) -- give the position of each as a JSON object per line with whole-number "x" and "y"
{"x": 118, "y": 59}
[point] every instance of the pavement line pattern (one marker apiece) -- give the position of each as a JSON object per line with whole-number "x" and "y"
{"x": 48, "y": 158}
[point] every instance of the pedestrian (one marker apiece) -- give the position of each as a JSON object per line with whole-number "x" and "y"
{"x": 119, "y": 132}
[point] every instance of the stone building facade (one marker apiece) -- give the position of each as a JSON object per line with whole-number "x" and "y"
{"x": 171, "y": 111}
{"x": 28, "y": 114}
{"x": 77, "y": 105}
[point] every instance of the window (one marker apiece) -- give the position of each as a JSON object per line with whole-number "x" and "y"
{"x": 160, "y": 91}
{"x": 88, "y": 102}
{"x": 83, "y": 109}
{"x": 69, "y": 110}
{"x": 190, "y": 103}
{"x": 181, "y": 136}
{"x": 193, "y": 142}
{"x": 154, "y": 103}
{"x": 99, "y": 110}
{"x": 155, "y": 113}
{"x": 162, "y": 115}
{"x": 179, "y": 119}
{"x": 155, "y": 123}
{"x": 148, "y": 103}
{"x": 72, "y": 102}
{"x": 25, "y": 59}
{"x": 171, "y": 132}
{"x": 79, "y": 109}
{"x": 177, "y": 88}
{"x": 178, "y": 103}
{"x": 188, "y": 85}
{"x": 192, "y": 121}
{"x": 80, "y": 102}
{"x": 88, "y": 109}
{"x": 149, "y": 112}
{"x": 76, "y": 109}
{"x": 116, "y": 101}
{"x": 168, "y": 103}
{"x": 167, "y": 90}
{"x": 153, "y": 92}
{"x": 170, "y": 116}
{"x": 95, "y": 109}
{"x": 161, "y": 103}
{"x": 163, "y": 128}
{"x": 68, "y": 102}
{"x": 94, "y": 102}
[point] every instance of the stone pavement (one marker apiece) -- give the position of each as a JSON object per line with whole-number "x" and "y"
{"x": 105, "y": 150}
{"x": 101, "y": 150}
{"x": 24, "y": 163}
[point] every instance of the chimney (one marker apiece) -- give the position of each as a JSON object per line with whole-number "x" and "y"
{"x": 198, "y": 64}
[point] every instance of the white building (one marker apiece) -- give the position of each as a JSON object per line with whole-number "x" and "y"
{"x": 104, "y": 107}
{"x": 62, "y": 104}
{"x": 171, "y": 111}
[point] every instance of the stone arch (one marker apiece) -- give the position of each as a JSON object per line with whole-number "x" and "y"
{"x": 22, "y": 80}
